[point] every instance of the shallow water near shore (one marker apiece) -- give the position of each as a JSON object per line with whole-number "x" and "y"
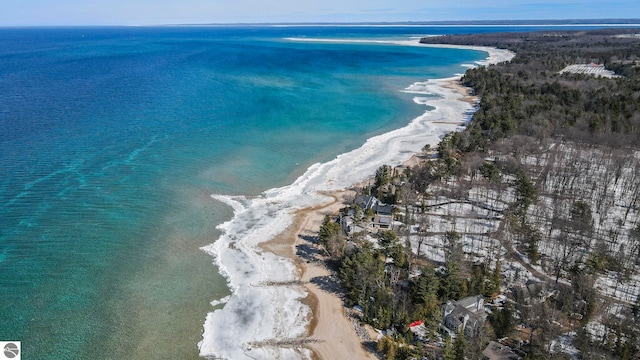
{"x": 113, "y": 140}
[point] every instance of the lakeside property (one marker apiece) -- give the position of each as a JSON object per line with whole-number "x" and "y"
{"x": 286, "y": 316}
{"x": 536, "y": 228}
{"x": 336, "y": 331}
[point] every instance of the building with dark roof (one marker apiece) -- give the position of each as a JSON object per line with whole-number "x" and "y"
{"x": 465, "y": 315}
{"x": 497, "y": 351}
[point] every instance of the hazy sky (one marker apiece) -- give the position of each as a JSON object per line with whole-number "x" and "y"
{"x": 150, "y": 12}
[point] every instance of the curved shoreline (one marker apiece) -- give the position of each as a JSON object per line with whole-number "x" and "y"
{"x": 330, "y": 325}
{"x": 265, "y": 316}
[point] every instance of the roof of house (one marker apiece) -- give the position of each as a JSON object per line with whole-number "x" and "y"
{"x": 497, "y": 351}
{"x": 383, "y": 208}
{"x": 470, "y": 307}
{"x": 383, "y": 219}
{"x": 366, "y": 201}
{"x": 459, "y": 313}
{"x": 470, "y": 302}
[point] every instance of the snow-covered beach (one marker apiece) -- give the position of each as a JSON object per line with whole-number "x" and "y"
{"x": 265, "y": 309}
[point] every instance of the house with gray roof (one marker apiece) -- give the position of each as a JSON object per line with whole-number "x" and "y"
{"x": 382, "y": 218}
{"x": 465, "y": 315}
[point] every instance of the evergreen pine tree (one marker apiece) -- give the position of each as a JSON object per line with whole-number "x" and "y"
{"x": 496, "y": 279}
{"x": 448, "y": 353}
{"x": 460, "y": 346}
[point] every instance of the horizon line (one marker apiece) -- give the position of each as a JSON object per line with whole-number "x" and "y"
{"x": 617, "y": 22}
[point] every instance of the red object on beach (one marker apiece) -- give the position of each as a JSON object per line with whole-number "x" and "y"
{"x": 416, "y": 323}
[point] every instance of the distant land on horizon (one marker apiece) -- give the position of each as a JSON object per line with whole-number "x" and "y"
{"x": 631, "y": 21}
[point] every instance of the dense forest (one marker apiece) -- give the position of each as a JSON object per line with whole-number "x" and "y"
{"x": 535, "y": 206}
{"x": 527, "y": 96}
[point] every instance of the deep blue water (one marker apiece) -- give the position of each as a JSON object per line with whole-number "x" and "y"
{"x": 112, "y": 139}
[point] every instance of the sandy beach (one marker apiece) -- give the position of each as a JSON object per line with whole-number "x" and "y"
{"x": 334, "y": 330}
{"x": 462, "y": 90}
{"x": 331, "y": 332}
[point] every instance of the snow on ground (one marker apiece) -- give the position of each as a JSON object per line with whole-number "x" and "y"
{"x": 563, "y": 345}
{"x": 607, "y": 181}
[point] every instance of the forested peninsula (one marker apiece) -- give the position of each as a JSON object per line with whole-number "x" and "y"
{"x": 518, "y": 237}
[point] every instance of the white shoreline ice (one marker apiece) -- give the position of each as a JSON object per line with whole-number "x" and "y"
{"x": 495, "y": 55}
{"x": 261, "y": 309}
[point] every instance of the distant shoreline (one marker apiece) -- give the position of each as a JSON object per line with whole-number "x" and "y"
{"x": 633, "y": 22}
